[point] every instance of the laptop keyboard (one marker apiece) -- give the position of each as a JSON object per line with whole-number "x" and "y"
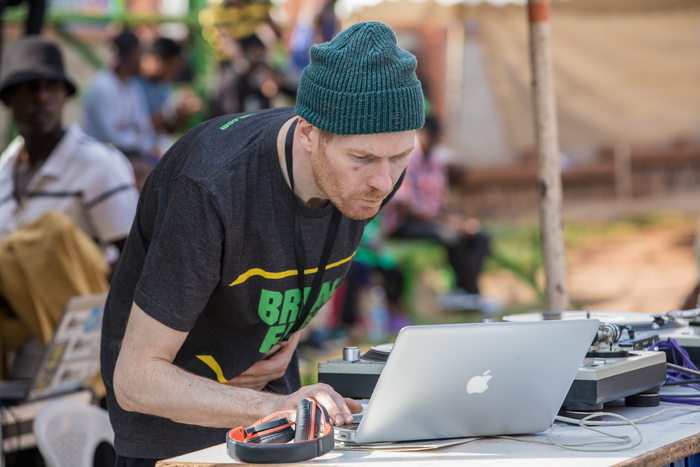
{"x": 350, "y": 427}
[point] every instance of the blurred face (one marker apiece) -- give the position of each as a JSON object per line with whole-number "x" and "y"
{"x": 157, "y": 69}
{"x": 358, "y": 172}
{"x": 131, "y": 62}
{"x": 37, "y": 106}
{"x": 256, "y": 55}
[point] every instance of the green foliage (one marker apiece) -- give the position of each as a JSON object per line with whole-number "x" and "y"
{"x": 518, "y": 249}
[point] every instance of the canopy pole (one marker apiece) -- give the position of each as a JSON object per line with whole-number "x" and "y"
{"x": 547, "y": 149}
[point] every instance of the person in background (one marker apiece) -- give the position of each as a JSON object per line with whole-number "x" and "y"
{"x": 251, "y": 83}
{"x": 235, "y": 20}
{"x": 244, "y": 231}
{"x": 224, "y": 24}
{"x": 373, "y": 286}
{"x": 316, "y": 23}
{"x": 114, "y": 110}
{"x": 34, "y": 20}
{"x": 67, "y": 201}
{"x": 419, "y": 211}
{"x": 170, "y": 111}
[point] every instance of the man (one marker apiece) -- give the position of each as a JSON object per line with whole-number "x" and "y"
{"x": 114, "y": 109}
{"x": 241, "y": 215}
{"x": 66, "y": 200}
{"x": 249, "y": 83}
{"x": 49, "y": 167}
{"x": 161, "y": 62}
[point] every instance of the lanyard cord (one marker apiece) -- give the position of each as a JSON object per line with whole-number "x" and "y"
{"x": 299, "y": 244}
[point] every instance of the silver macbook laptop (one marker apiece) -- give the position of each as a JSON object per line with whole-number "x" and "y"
{"x": 464, "y": 380}
{"x": 71, "y": 360}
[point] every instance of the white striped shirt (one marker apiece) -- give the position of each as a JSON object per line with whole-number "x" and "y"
{"x": 89, "y": 182}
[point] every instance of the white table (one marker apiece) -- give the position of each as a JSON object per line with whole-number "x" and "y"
{"x": 667, "y": 438}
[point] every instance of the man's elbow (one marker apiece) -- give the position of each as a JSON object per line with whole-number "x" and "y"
{"x": 125, "y": 391}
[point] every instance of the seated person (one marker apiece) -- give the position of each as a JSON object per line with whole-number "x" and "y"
{"x": 373, "y": 285}
{"x": 161, "y": 62}
{"x": 418, "y": 211}
{"x": 66, "y": 201}
{"x": 114, "y": 110}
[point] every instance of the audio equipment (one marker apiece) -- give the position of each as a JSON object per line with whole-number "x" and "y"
{"x": 275, "y": 440}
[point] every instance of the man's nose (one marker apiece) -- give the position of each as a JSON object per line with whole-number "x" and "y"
{"x": 43, "y": 91}
{"x": 381, "y": 176}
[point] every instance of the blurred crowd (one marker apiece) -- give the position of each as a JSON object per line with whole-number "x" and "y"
{"x": 76, "y": 184}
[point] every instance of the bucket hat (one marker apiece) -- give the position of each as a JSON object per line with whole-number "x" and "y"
{"x": 32, "y": 58}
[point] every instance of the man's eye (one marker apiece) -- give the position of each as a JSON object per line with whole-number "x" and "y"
{"x": 399, "y": 159}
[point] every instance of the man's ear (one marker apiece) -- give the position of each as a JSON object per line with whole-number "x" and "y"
{"x": 308, "y": 134}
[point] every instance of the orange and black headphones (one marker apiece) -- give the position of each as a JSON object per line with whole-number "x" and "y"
{"x": 268, "y": 441}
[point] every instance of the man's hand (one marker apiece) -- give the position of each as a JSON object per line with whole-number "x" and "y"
{"x": 272, "y": 366}
{"x": 339, "y": 409}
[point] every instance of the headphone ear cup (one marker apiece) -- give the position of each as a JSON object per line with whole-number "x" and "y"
{"x": 274, "y": 432}
{"x": 308, "y": 422}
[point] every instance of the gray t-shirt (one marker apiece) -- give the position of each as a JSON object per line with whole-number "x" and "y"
{"x": 211, "y": 253}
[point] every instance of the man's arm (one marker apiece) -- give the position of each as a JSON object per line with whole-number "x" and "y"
{"x": 146, "y": 381}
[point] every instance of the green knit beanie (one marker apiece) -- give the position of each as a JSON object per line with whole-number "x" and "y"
{"x": 361, "y": 83}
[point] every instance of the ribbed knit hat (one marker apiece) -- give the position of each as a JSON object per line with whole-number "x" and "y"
{"x": 361, "y": 83}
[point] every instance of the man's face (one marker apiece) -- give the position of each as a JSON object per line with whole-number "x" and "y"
{"x": 357, "y": 172}
{"x": 37, "y": 106}
{"x": 131, "y": 62}
{"x": 158, "y": 69}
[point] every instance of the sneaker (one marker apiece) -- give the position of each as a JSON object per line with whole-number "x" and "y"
{"x": 460, "y": 300}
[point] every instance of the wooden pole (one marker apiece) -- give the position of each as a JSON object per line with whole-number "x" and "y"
{"x": 547, "y": 148}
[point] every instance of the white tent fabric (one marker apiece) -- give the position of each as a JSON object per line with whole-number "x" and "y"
{"x": 626, "y": 71}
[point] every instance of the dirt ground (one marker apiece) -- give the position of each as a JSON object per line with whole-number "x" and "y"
{"x": 651, "y": 269}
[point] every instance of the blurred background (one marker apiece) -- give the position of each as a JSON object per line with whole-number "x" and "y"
{"x": 627, "y": 88}
{"x": 627, "y": 91}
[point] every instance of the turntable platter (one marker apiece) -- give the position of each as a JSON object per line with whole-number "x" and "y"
{"x": 378, "y": 353}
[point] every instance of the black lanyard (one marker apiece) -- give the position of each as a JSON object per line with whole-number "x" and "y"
{"x": 299, "y": 244}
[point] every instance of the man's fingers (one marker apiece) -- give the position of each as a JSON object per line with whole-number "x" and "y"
{"x": 334, "y": 403}
{"x": 292, "y": 341}
{"x": 283, "y": 354}
{"x": 353, "y": 405}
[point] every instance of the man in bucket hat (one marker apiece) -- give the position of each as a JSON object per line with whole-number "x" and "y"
{"x": 49, "y": 167}
{"x": 77, "y": 194}
{"x": 245, "y": 228}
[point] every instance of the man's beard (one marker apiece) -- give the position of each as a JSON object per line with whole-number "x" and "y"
{"x": 348, "y": 203}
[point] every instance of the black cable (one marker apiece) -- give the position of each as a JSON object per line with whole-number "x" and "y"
{"x": 683, "y": 369}
{"x": 685, "y": 381}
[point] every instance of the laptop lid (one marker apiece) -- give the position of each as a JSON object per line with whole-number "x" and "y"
{"x": 482, "y": 379}
{"x": 72, "y": 359}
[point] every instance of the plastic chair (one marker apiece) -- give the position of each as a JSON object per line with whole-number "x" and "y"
{"x": 68, "y": 433}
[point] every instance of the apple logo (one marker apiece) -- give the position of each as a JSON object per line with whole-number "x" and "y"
{"x": 479, "y": 384}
